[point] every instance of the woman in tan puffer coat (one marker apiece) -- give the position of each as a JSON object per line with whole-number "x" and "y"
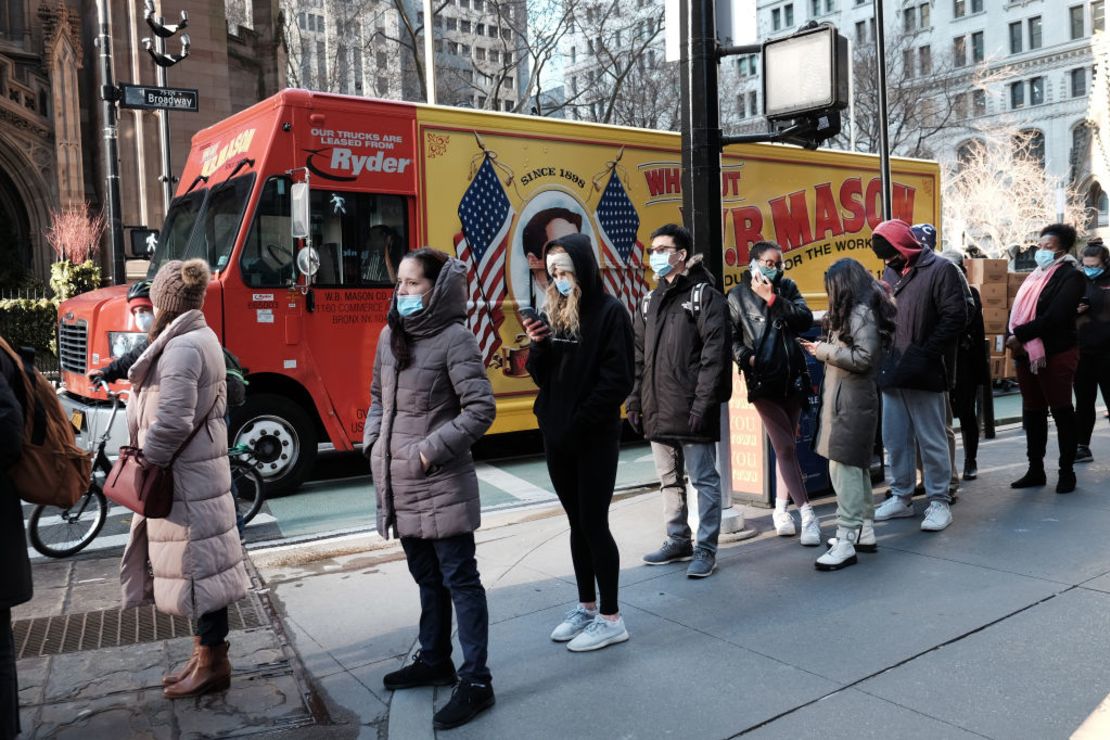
{"x": 190, "y": 563}
{"x": 430, "y": 401}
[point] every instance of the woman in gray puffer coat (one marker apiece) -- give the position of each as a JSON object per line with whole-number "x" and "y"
{"x": 191, "y": 562}
{"x": 430, "y": 401}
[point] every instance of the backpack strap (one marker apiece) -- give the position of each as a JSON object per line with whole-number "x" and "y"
{"x": 695, "y": 299}
{"x": 192, "y": 434}
{"x": 645, "y": 304}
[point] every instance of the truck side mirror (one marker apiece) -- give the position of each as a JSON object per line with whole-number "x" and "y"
{"x": 300, "y": 210}
{"x": 143, "y": 244}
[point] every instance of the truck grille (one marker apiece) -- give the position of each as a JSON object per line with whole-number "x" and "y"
{"x": 73, "y": 346}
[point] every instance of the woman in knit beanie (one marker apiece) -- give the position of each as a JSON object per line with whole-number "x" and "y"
{"x": 191, "y": 562}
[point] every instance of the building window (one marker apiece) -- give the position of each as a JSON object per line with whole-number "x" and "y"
{"x": 1029, "y": 144}
{"x": 907, "y": 62}
{"x": 788, "y": 14}
{"x": 381, "y": 59}
{"x": 753, "y": 103}
{"x": 925, "y": 60}
{"x": 1035, "y": 32}
{"x": 979, "y": 102}
{"x": 861, "y": 32}
{"x": 464, "y": 26}
{"x": 1075, "y": 19}
{"x": 494, "y": 55}
{"x": 959, "y": 51}
{"x": 977, "y": 47}
{"x": 1015, "y": 38}
{"x": 776, "y": 19}
{"x": 508, "y": 57}
{"x": 1098, "y": 15}
{"x": 452, "y": 24}
{"x": 959, "y": 8}
{"x": 924, "y": 12}
{"x": 1017, "y": 94}
{"x": 1079, "y": 82}
{"x": 741, "y": 109}
{"x": 909, "y": 19}
{"x": 815, "y": 7}
{"x": 573, "y": 55}
{"x": 976, "y": 6}
{"x": 959, "y": 106}
{"x": 1036, "y": 91}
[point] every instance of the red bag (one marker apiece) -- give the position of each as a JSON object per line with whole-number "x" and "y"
{"x": 141, "y": 486}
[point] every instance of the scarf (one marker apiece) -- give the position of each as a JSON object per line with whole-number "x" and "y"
{"x": 1025, "y": 310}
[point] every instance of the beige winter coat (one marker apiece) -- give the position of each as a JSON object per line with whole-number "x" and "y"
{"x": 195, "y": 557}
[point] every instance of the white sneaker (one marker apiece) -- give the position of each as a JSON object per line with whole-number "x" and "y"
{"x": 811, "y": 528}
{"x": 866, "y": 542}
{"x": 784, "y": 523}
{"x": 937, "y": 517}
{"x": 576, "y": 621}
{"x": 600, "y": 633}
{"x": 893, "y": 508}
{"x": 841, "y": 554}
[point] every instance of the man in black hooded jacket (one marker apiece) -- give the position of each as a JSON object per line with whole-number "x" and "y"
{"x": 683, "y": 374}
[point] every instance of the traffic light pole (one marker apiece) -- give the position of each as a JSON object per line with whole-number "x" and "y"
{"x": 108, "y": 96}
{"x": 884, "y": 133}
{"x": 167, "y": 177}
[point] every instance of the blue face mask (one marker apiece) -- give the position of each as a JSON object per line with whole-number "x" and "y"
{"x": 407, "y": 305}
{"x": 1044, "y": 257}
{"x": 1093, "y": 272}
{"x": 769, "y": 272}
{"x": 564, "y": 286}
{"x": 661, "y": 263}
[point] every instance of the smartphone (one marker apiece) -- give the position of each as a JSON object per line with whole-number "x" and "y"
{"x": 757, "y": 274}
{"x": 531, "y": 314}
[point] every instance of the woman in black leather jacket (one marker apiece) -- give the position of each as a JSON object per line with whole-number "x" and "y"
{"x": 768, "y": 314}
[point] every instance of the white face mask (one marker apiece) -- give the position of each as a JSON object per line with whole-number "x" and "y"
{"x": 144, "y": 320}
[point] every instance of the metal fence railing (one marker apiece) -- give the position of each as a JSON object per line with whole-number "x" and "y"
{"x": 33, "y": 294}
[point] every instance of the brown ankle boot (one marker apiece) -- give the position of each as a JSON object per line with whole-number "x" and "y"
{"x": 171, "y": 678}
{"x": 211, "y": 673}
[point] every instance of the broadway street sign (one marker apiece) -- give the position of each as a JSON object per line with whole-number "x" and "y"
{"x": 159, "y": 98}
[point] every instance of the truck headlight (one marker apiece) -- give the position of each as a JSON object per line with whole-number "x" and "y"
{"x": 122, "y": 342}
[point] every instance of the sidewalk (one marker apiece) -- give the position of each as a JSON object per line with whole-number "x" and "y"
{"x": 89, "y": 670}
{"x": 994, "y": 628}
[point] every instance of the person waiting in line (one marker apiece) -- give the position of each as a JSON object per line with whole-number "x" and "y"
{"x": 430, "y": 402}
{"x": 1042, "y": 335}
{"x": 768, "y": 313}
{"x": 683, "y": 375}
{"x": 914, "y": 378}
{"x": 1093, "y": 371}
{"x": 191, "y": 562}
{"x": 859, "y": 326}
{"x": 971, "y": 372}
{"x": 15, "y": 576}
{"x": 581, "y": 358}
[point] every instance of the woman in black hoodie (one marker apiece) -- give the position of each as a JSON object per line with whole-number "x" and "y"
{"x": 1093, "y": 326}
{"x": 581, "y": 359}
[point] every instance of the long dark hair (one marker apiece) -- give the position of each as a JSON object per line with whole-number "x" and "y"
{"x": 431, "y": 264}
{"x": 848, "y": 284}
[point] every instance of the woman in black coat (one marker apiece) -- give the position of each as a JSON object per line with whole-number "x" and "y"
{"x": 1093, "y": 372}
{"x": 15, "y": 575}
{"x": 581, "y": 358}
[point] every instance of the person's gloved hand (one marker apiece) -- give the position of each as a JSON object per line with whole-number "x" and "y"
{"x": 635, "y": 421}
{"x": 697, "y": 423}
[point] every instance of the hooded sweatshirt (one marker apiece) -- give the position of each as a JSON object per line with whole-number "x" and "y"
{"x": 583, "y": 380}
{"x": 932, "y": 312}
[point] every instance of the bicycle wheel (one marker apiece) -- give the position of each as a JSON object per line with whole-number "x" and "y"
{"x": 246, "y": 488}
{"x": 59, "y": 533}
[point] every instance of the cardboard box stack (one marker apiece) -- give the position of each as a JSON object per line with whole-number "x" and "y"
{"x": 997, "y": 288}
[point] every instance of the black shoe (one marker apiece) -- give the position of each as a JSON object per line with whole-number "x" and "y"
{"x": 419, "y": 673}
{"x": 1066, "y": 482}
{"x": 469, "y": 699}
{"x": 1083, "y": 454}
{"x": 1032, "y": 479}
{"x": 971, "y": 470}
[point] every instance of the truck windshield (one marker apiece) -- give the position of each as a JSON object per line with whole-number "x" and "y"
{"x": 204, "y": 224}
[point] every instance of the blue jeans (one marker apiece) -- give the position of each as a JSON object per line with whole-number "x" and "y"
{"x": 672, "y": 460}
{"x": 446, "y": 572}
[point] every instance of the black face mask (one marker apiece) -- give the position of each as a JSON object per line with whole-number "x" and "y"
{"x": 897, "y": 264}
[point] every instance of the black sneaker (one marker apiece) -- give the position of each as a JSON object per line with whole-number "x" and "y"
{"x": 1031, "y": 479}
{"x": 971, "y": 470}
{"x": 1066, "y": 482}
{"x": 469, "y": 699}
{"x": 419, "y": 673}
{"x": 1083, "y": 454}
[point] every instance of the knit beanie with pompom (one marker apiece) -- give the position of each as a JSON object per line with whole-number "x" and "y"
{"x": 180, "y": 286}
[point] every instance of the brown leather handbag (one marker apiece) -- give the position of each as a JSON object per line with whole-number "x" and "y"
{"x": 141, "y": 486}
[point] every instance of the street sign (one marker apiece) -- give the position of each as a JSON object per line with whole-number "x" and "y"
{"x": 159, "y": 98}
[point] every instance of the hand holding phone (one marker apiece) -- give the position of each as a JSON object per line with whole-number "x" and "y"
{"x": 534, "y": 325}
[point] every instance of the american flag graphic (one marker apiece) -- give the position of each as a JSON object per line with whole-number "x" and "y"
{"x": 622, "y": 255}
{"x": 485, "y": 214}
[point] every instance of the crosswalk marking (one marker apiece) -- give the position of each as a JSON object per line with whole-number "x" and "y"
{"x": 515, "y": 486}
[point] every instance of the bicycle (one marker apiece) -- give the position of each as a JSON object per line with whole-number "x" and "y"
{"x": 58, "y": 533}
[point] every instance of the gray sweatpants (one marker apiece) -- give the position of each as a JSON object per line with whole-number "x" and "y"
{"x": 916, "y": 420}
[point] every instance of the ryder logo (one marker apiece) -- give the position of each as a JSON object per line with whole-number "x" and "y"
{"x": 345, "y": 165}
{"x": 215, "y": 157}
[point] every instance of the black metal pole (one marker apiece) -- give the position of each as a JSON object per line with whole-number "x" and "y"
{"x": 109, "y": 94}
{"x": 701, "y": 144}
{"x": 167, "y": 177}
{"x": 884, "y": 134}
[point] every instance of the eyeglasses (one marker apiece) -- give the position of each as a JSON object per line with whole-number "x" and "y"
{"x": 662, "y": 250}
{"x": 769, "y": 263}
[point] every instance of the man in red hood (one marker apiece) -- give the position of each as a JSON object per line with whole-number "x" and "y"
{"x": 915, "y": 374}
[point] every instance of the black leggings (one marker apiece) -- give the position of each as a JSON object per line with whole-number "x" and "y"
{"x": 9, "y": 685}
{"x": 1092, "y": 373}
{"x": 584, "y": 472}
{"x": 963, "y": 408}
{"x": 212, "y": 628}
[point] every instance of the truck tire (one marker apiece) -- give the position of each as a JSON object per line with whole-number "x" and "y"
{"x": 282, "y": 436}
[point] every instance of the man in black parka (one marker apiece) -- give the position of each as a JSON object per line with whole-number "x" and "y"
{"x": 15, "y": 575}
{"x": 683, "y": 375}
